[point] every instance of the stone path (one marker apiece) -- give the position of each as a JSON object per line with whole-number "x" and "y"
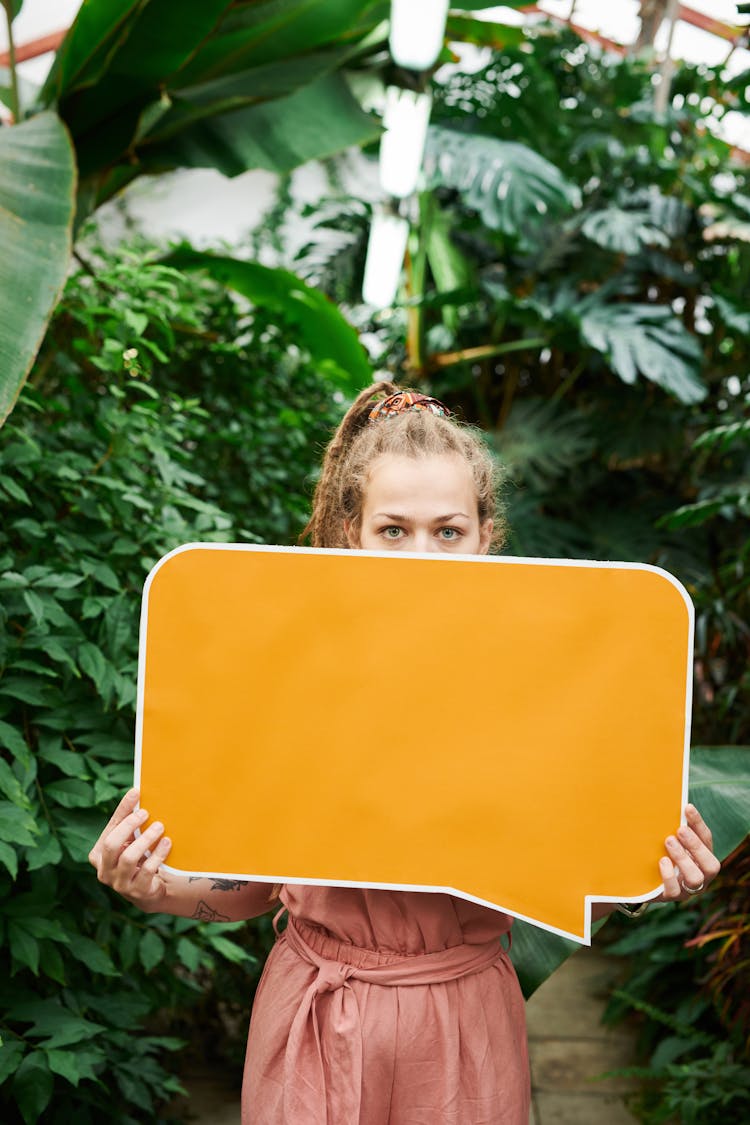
{"x": 568, "y": 1046}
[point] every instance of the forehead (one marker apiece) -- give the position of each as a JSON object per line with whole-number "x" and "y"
{"x": 442, "y": 482}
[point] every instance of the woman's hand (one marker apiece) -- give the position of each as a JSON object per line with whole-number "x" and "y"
{"x": 121, "y": 860}
{"x": 690, "y": 864}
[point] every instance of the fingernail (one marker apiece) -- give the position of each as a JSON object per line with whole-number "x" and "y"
{"x": 141, "y": 815}
{"x": 131, "y": 792}
{"x": 690, "y": 808}
{"x": 157, "y": 827}
{"x": 671, "y": 842}
{"x": 165, "y": 844}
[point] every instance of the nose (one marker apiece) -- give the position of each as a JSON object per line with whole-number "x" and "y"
{"x": 425, "y": 542}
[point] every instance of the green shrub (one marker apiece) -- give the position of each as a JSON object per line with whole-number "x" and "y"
{"x": 159, "y": 412}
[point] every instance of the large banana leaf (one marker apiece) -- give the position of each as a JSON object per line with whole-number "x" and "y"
{"x": 37, "y": 190}
{"x": 149, "y": 85}
{"x": 645, "y": 339}
{"x": 321, "y": 328}
{"x": 312, "y": 123}
{"x": 720, "y": 790}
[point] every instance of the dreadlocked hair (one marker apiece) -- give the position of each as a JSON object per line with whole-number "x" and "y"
{"x": 358, "y": 443}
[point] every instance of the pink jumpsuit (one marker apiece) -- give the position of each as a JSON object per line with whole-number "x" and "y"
{"x": 387, "y": 1008}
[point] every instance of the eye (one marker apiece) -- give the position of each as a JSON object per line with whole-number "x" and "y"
{"x": 392, "y": 532}
{"x": 449, "y": 533}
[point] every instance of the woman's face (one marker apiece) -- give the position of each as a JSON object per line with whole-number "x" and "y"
{"x": 421, "y": 504}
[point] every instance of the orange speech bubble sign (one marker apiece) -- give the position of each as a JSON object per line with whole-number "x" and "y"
{"x": 513, "y": 731}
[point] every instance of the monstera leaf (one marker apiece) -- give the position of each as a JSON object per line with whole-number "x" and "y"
{"x": 512, "y": 187}
{"x": 37, "y": 204}
{"x": 625, "y": 232}
{"x": 644, "y": 339}
{"x": 719, "y": 788}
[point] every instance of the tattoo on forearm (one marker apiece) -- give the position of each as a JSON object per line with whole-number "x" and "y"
{"x": 206, "y": 913}
{"x": 220, "y": 884}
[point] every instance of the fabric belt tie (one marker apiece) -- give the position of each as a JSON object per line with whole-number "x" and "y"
{"x": 323, "y": 1061}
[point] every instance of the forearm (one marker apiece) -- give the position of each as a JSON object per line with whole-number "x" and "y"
{"x": 215, "y": 900}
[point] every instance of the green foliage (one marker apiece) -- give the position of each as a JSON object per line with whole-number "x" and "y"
{"x": 228, "y": 85}
{"x": 688, "y": 983}
{"x": 159, "y": 412}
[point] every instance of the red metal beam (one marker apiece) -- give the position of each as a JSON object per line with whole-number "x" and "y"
{"x": 37, "y": 47}
{"x": 722, "y": 30}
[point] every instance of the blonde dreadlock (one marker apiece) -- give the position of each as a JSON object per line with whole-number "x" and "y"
{"x": 358, "y": 442}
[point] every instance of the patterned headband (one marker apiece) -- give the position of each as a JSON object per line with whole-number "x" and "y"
{"x": 403, "y": 401}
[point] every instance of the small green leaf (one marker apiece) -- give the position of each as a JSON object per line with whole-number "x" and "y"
{"x": 107, "y": 577}
{"x": 60, "y": 581}
{"x": 189, "y": 954}
{"x": 135, "y": 320}
{"x": 14, "y": 741}
{"x": 150, "y": 950}
{"x": 32, "y": 1086}
{"x": 51, "y": 962}
{"x": 14, "y": 490}
{"x": 16, "y": 825}
{"x": 35, "y": 605}
{"x": 91, "y": 662}
{"x": 67, "y": 761}
{"x": 11, "y": 1053}
{"x": 24, "y": 689}
{"x": 230, "y": 950}
{"x": 54, "y": 1023}
{"x": 71, "y": 793}
{"x": 11, "y": 787}
{"x": 77, "y": 831}
{"x": 24, "y": 947}
{"x": 47, "y": 851}
{"x": 89, "y": 953}
{"x": 60, "y": 654}
{"x": 64, "y": 1063}
{"x": 9, "y": 859}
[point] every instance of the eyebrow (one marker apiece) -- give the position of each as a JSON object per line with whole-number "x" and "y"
{"x": 405, "y": 519}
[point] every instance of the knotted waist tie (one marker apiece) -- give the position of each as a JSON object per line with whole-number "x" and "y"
{"x": 323, "y": 1062}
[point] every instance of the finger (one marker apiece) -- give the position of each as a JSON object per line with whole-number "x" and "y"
{"x": 690, "y": 873}
{"x": 152, "y": 863}
{"x": 125, "y": 808}
{"x": 702, "y": 855}
{"x": 670, "y": 878}
{"x": 135, "y": 854}
{"x": 119, "y": 838}
{"x": 699, "y": 826}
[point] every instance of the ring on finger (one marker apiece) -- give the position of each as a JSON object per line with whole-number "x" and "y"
{"x": 693, "y": 890}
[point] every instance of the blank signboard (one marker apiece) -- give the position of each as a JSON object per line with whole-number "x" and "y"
{"x": 514, "y": 731}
